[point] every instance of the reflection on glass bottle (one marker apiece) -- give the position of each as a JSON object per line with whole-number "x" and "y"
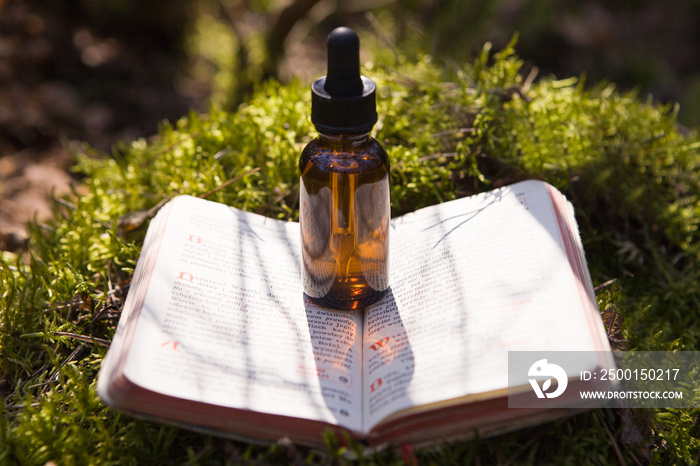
{"x": 345, "y": 214}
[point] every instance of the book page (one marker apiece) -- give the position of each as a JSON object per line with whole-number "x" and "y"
{"x": 471, "y": 280}
{"x": 224, "y": 321}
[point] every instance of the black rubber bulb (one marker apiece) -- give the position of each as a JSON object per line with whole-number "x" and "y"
{"x": 343, "y": 102}
{"x": 343, "y": 79}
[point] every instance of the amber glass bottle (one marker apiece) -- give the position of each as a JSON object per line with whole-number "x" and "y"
{"x": 344, "y": 194}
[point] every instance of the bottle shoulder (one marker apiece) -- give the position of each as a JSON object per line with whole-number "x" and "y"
{"x": 366, "y": 155}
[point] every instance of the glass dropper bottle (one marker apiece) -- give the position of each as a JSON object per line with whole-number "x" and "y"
{"x": 344, "y": 189}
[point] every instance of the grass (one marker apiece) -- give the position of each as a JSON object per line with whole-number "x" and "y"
{"x": 632, "y": 174}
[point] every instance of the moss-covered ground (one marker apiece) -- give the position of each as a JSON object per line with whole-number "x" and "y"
{"x": 631, "y": 172}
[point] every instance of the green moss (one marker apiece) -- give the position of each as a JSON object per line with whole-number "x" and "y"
{"x": 633, "y": 177}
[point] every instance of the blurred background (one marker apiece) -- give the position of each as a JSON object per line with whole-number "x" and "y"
{"x": 104, "y": 71}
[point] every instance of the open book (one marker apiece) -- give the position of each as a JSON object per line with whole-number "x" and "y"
{"x": 216, "y": 335}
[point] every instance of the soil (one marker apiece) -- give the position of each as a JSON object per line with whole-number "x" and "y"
{"x": 61, "y": 83}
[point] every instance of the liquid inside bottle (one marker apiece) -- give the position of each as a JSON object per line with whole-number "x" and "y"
{"x": 344, "y": 217}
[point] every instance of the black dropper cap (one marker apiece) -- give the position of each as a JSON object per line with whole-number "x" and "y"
{"x": 343, "y": 102}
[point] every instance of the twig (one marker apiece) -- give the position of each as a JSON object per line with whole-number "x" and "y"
{"x": 64, "y": 203}
{"x": 60, "y": 306}
{"x": 530, "y": 78}
{"x": 226, "y": 183}
{"x": 618, "y": 452}
{"x": 603, "y": 285}
{"x": 18, "y": 406}
{"x": 133, "y": 220}
{"x": 85, "y": 338}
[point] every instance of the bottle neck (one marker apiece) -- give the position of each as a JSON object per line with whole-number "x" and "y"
{"x": 343, "y": 140}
